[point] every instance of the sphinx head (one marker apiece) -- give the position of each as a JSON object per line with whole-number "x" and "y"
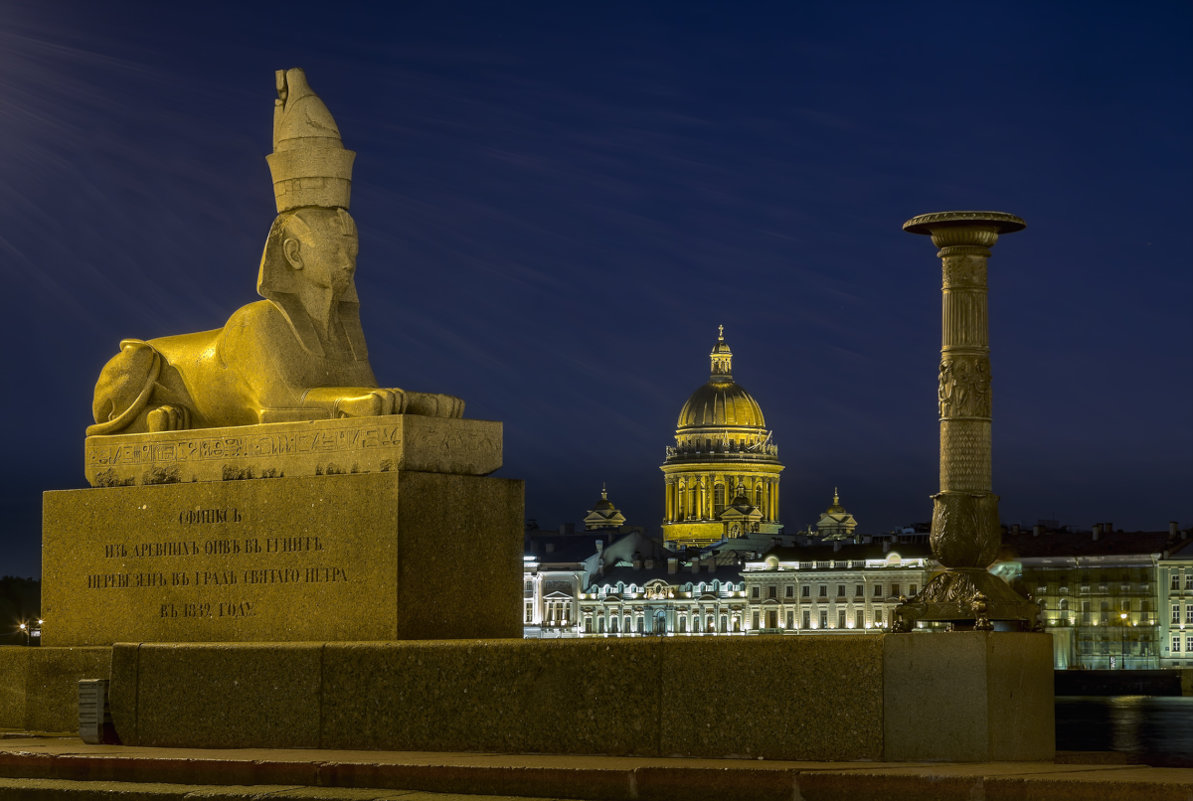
{"x": 315, "y": 247}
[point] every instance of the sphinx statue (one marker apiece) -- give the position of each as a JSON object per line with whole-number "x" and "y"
{"x": 300, "y": 353}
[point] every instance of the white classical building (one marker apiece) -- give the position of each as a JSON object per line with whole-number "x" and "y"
{"x": 837, "y": 588}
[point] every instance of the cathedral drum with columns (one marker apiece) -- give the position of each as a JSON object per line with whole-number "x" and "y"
{"x": 722, "y": 474}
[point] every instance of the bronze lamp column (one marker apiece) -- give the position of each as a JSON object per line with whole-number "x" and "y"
{"x": 966, "y": 534}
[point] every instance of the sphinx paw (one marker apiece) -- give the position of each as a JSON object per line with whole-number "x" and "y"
{"x": 451, "y": 406}
{"x": 168, "y": 418}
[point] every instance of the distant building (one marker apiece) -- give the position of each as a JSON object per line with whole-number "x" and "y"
{"x": 656, "y": 595}
{"x": 1175, "y": 583}
{"x": 721, "y": 478}
{"x": 1097, "y": 590}
{"x": 835, "y": 587}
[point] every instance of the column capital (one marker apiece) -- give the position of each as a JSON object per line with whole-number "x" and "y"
{"x": 964, "y": 229}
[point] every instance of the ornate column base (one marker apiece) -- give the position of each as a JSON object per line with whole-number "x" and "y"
{"x": 969, "y": 598}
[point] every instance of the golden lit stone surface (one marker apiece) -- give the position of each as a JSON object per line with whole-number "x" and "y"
{"x": 39, "y": 686}
{"x": 371, "y": 556}
{"x": 274, "y": 450}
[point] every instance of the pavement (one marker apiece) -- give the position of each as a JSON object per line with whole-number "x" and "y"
{"x": 35, "y": 766}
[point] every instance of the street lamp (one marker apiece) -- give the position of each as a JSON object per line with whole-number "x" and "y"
{"x": 25, "y": 631}
{"x": 1122, "y": 648}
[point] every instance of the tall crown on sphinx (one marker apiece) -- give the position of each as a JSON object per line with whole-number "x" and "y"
{"x": 309, "y": 164}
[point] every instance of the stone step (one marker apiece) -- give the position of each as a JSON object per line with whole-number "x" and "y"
{"x": 65, "y": 768}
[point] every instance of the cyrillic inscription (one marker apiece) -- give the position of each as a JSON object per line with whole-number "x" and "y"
{"x": 222, "y": 575}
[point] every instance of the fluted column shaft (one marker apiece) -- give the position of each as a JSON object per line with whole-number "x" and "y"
{"x": 965, "y": 525}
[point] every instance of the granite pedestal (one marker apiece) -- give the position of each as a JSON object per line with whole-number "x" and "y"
{"x": 360, "y": 529}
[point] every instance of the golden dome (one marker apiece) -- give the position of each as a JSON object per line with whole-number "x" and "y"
{"x": 722, "y": 401}
{"x": 719, "y": 404}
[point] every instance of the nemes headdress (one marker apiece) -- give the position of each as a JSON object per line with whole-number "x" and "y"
{"x": 309, "y": 164}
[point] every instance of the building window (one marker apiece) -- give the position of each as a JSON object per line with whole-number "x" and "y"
{"x": 895, "y": 590}
{"x": 1176, "y": 643}
{"x": 529, "y": 613}
{"x": 1176, "y": 613}
{"x": 790, "y": 591}
{"x": 807, "y": 619}
{"x": 805, "y": 591}
{"x": 823, "y": 590}
{"x": 840, "y": 618}
{"x": 588, "y": 625}
{"x": 877, "y": 590}
{"x": 753, "y": 592}
{"x": 1176, "y": 580}
{"x": 529, "y": 589}
{"x": 790, "y": 619}
{"x": 1189, "y": 579}
{"x": 754, "y": 620}
{"x": 840, "y": 590}
{"x": 1189, "y": 613}
{"x": 1085, "y": 613}
{"x": 824, "y": 618}
{"x": 683, "y": 624}
{"x": 771, "y": 591}
{"x": 724, "y": 624}
{"x": 859, "y": 591}
{"x": 878, "y": 617}
{"x": 912, "y": 590}
{"x": 1189, "y": 643}
{"x": 718, "y": 495}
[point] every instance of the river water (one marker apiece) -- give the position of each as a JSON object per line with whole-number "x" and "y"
{"x": 1150, "y": 729}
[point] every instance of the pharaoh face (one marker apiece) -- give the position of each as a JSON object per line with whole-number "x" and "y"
{"x": 324, "y": 247}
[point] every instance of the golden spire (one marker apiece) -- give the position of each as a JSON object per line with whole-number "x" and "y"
{"x": 721, "y": 359}
{"x": 604, "y": 492}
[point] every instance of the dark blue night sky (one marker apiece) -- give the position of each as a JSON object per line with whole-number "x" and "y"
{"x": 559, "y": 203}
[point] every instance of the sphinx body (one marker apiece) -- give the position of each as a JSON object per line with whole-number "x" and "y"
{"x": 300, "y": 353}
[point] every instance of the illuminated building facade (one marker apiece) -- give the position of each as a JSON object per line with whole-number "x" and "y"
{"x": 839, "y": 588}
{"x": 721, "y": 477}
{"x": 1097, "y": 590}
{"x": 660, "y": 597}
{"x": 1175, "y": 583}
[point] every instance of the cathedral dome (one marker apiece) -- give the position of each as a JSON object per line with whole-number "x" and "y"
{"x": 722, "y": 401}
{"x": 719, "y": 404}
